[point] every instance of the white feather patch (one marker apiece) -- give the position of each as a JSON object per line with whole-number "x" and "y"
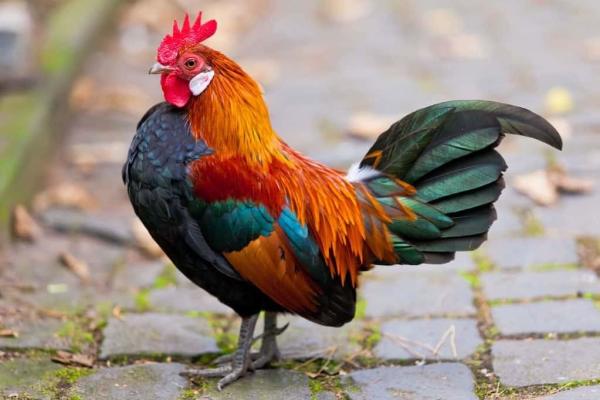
{"x": 200, "y": 82}
{"x": 357, "y": 173}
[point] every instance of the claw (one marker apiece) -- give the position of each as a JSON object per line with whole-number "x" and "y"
{"x": 206, "y": 373}
{"x": 234, "y": 375}
{"x": 242, "y": 361}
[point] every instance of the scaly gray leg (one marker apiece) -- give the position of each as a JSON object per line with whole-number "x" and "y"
{"x": 268, "y": 349}
{"x": 241, "y": 358}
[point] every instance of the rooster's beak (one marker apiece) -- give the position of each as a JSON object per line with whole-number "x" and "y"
{"x": 158, "y": 68}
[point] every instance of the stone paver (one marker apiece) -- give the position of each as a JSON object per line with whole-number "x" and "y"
{"x": 530, "y": 284}
{"x": 304, "y": 339}
{"x": 153, "y": 333}
{"x": 448, "y": 381}
{"x": 416, "y": 291}
{"x": 134, "y": 382}
{"x": 548, "y": 316}
{"x": 36, "y": 334}
{"x": 25, "y": 377}
{"x": 263, "y": 385}
{"x": 428, "y": 339}
{"x": 136, "y": 275}
{"x": 532, "y": 362}
{"x": 573, "y": 217}
{"x": 182, "y": 299}
{"x": 580, "y": 393}
{"x": 531, "y": 252}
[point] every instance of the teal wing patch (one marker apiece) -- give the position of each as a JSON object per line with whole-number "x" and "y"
{"x": 231, "y": 224}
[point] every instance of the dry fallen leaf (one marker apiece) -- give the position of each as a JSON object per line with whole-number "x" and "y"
{"x": 116, "y": 312}
{"x": 368, "y": 126}
{"x": 52, "y": 313}
{"x": 78, "y": 267}
{"x": 545, "y": 186}
{"x": 96, "y": 153}
{"x": 569, "y": 184}
{"x": 9, "y": 333}
{"x": 538, "y": 187}
{"x": 23, "y": 226}
{"x": 67, "y": 195}
{"x": 91, "y": 96}
{"x": 144, "y": 240}
{"x": 66, "y": 358}
{"x": 82, "y": 91}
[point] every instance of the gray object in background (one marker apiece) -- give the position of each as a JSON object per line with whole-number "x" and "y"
{"x": 16, "y": 43}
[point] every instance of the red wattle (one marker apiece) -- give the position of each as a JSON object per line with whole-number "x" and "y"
{"x": 175, "y": 89}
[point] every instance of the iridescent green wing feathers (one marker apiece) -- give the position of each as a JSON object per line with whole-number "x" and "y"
{"x": 446, "y": 151}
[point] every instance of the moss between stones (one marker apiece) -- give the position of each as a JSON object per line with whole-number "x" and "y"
{"x": 553, "y": 267}
{"x": 499, "y": 302}
{"x": 472, "y": 278}
{"x": 190, "y": 394}
{"x": 167, "y": 277}
{"x": 142, "y": 300}
{"x": 531, "y": 225}
{"x": 482, "y": 261}
{"x": 223, "y": 330}
{"x": 75, "y": 332}
{"x": 361, "y": 308}
{"x": 589, "y": 252}
{"x": 58, "y": 383}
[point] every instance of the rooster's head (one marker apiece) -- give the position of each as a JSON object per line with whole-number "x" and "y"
{"x": 186, "y": 66}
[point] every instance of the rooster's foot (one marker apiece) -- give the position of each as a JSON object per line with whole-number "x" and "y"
{"x": 240, "y": 363}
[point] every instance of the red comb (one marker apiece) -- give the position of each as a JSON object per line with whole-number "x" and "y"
{"x": 186, "y": 36}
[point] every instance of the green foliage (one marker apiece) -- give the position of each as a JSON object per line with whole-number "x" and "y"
{"x": 531, "y": 225}
{"x": 553, "y": 267}
{"x": 483, "y": 262}
{"x": 190, "y": 394}
{"x": 373, "y": 337}
{"x": 142, "y": 300}
{"x": 57, "y": 383}
{"x": 316, "y": 387}
{"x": 472, "y": 278}
{"x": 75, "y": 332}
{"x": 72, "y": 374}
{"x": 361, "y": 308}
{"x": 167, "y": 277}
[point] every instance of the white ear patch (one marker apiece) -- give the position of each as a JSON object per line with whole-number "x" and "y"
{"x": 200, "y": 82}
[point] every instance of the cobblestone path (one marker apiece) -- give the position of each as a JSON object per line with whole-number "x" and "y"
{"x": 519, "y": 319}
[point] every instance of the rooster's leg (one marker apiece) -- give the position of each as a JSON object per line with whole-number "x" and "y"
{"x": 241, "y": 358}
{"x": 268, "y": 350}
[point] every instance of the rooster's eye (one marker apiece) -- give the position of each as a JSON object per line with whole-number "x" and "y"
{"x": 190, "y": 63}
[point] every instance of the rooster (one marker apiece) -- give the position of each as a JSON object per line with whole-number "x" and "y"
{"x": 264, "y": 228}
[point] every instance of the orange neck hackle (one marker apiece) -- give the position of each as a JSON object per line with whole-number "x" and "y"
{"x": 251, "y": 163}
{"x": 231, "y": 115}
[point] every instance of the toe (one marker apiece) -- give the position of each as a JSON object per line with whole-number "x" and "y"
{"x": 231, "y": 377}
{"x": 206, "y": 373}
